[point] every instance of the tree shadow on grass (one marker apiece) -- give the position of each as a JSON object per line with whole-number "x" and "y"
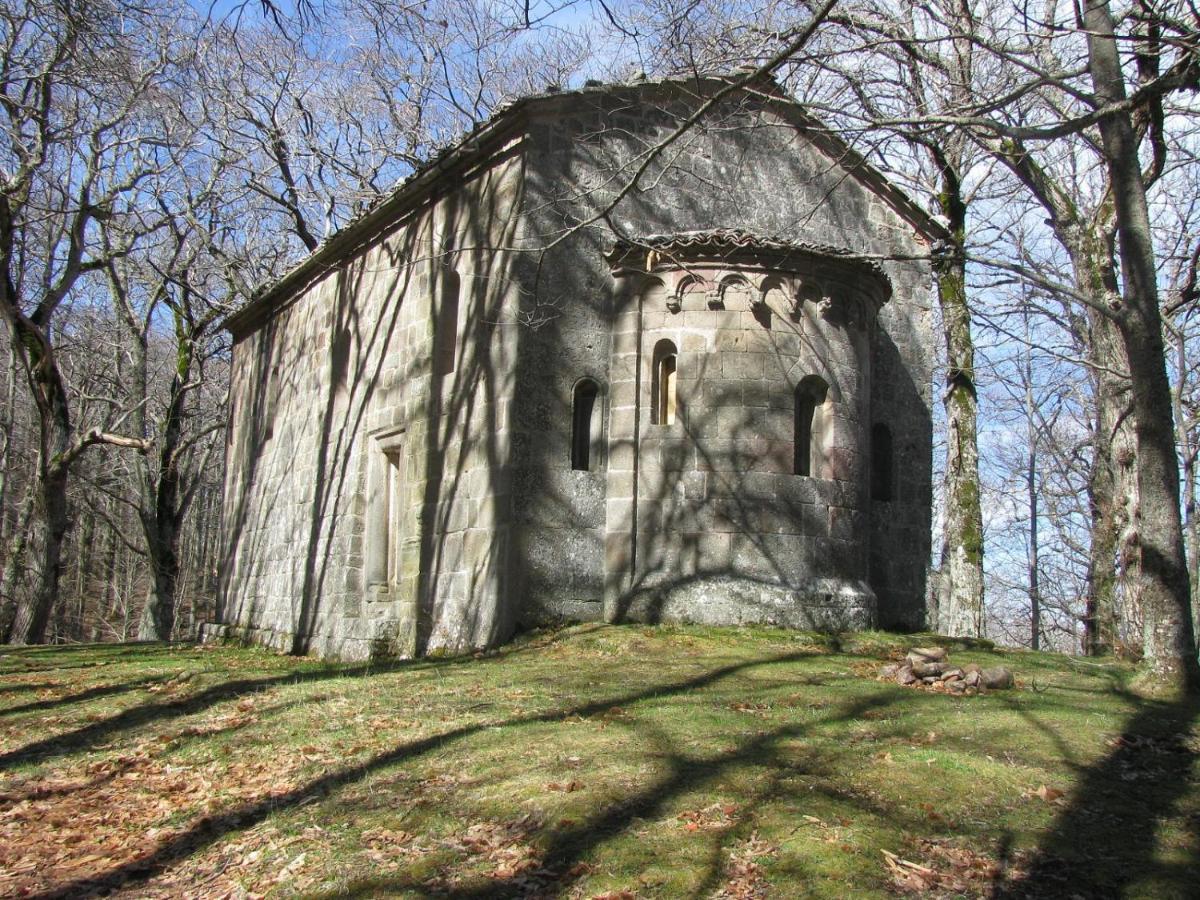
{"x": 1105, "y": 839}
{"x": 104, "y": 690}
{"x": 93, "y": 734}
{"x": 567, "y": 845}
{"x": 34, "y": 790}
{"x": 89, "y": 736}
{"x": 29, "y": 687}
{"x": 96, "y": 653}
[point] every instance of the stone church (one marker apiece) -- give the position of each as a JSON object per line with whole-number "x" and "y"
{"x": 584, "y": 366}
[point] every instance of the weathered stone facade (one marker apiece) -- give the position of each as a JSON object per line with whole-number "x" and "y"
{"x": 521, "y": 390}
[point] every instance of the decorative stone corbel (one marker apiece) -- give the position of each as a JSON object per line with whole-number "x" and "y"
{"x": 797, "y": 298}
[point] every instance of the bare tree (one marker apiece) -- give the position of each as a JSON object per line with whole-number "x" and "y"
{"x": 163, "y": 393}
{"x": 323, "y": 125}
{"x": 1021, "y": 84}
{"x": 158, "y": 168}
{"x": 1134, "y": 310}
{"x": 77, "y": 143}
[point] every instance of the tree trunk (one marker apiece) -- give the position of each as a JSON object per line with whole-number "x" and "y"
{"x": 82, "y": 566}
{"x": 34, "y": 610}
{"x": 54, "y": 432}
{"x": 1100, "y": 625}
{"x": 1031, "y": 435}
{"x": 13, "y": 563}
{"x": 960, "y": 589}
{"x": 1186, "y": 439}
{"x": 1168, "y": 636}
{"x": 108, "y": 579}
{"x": 7, "y": 431}
{"x": 31, "y": 338}
{"x": 1114, "y": 574}
{"x": 169, "y": 503}
{"x": 1170, "y": 645}
{"x": 158, "y": 616}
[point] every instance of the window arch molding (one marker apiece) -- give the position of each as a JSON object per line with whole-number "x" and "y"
{"x": 687, "y": 287}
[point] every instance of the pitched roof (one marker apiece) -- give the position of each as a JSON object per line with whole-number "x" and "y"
{"x": 486, "y": 137}
{"x": 734, "y": 239}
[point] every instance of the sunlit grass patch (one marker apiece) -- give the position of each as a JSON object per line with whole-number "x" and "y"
{"x": 664, "y": 762}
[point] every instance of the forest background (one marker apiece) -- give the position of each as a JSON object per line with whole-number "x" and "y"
{"x": 160, "y": 162}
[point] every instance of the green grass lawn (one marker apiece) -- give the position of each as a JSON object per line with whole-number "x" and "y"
{"x": 595, "y": 761}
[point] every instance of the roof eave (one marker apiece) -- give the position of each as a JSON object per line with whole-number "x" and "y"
{"x": 487, "y": 139}
{"x": 345, "y": 243}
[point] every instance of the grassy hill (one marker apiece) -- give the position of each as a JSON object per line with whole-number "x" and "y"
{"x": 594, "y": 761}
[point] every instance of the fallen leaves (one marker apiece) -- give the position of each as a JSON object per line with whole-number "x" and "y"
{"x": 1047, "y": 794}
{"x": 716, "y": 816}
{"x": 124, "y": 809}
{"x": 945, "y": 867}
{"x": 506, "y": 852}
{"x": 908, "y": 875}
{"x": 385, "y": 846}
{"x": 744, "y": 874}
{"x": 754, "y": 709}
{"x": 256, "y": 769}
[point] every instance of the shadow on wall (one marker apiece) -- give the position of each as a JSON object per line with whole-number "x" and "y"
{"x": 506, "y": 519}
{"x": 707, "y": 483}
{"x": 465, "y": 518}
{"x": 303, "y": 451}
{"x": 269, "y": 461}
{"x": 900, "y": 527}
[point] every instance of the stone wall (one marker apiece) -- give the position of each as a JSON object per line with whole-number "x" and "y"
{"x": 367, "y": 504}
{"x": 702, "y": 523}
{"x": 723, "y": 527}
{"x": 391, "y": 491}
{"x": 558, "y": 512}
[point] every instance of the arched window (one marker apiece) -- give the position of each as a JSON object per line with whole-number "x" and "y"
{"x": 445, "y": 332}
{"x": 881, "y": 463}
{"x": 810, "y": 397}
{"x": 585, "y": 431}
{"x": 663, "y": 402}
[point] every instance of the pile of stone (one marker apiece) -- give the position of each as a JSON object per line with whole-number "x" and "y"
{"x": 928, "y": 667}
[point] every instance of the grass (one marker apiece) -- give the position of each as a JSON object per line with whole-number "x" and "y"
{"x": 594, "y": 761}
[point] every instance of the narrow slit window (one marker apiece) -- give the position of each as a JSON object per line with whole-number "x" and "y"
{"x": 395, "y": 481}
{"x": 385, "y": 510}
{"x": 810, "y": 398}
{"x": 663, "y": 407}
{"x": 445, "y": 334}
{"x": 583, "y": 424}
{"x": 881, "y": 463}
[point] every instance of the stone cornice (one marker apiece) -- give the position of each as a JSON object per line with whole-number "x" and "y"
{"x": 843, "y": 286}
